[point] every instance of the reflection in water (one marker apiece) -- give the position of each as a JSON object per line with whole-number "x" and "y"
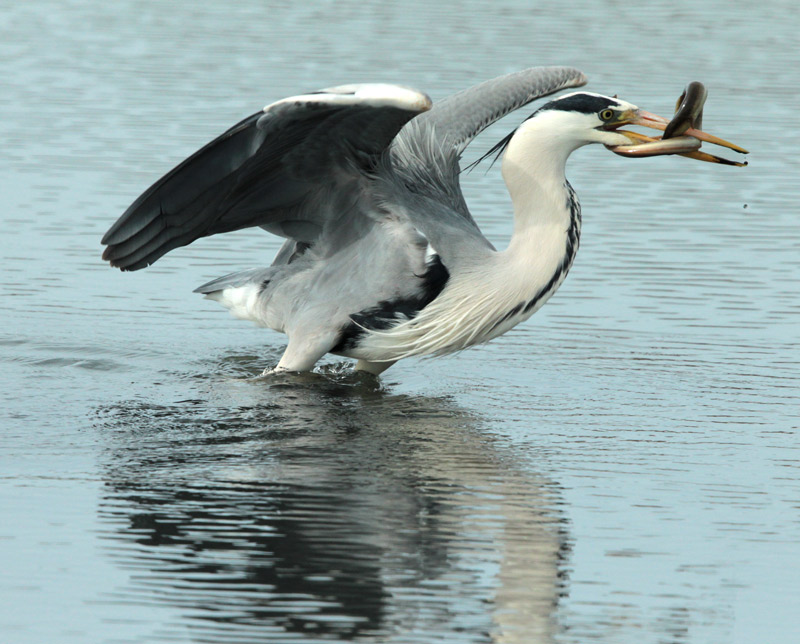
{"x": 322, "y": 507}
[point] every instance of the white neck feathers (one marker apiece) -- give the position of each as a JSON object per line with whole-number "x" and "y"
{"x": 506, "y": 287}
{"x": 534, "y": 172}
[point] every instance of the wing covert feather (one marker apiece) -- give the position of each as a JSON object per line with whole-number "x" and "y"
{"x": 272, "y": 169}
{"x": 459, "y": 118}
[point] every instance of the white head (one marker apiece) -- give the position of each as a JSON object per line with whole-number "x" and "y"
{"x": 585, "y": 117}
{"x": 573, "y": 120}
{"x": 577, "y": 119}
{"x": 537, "y": 151}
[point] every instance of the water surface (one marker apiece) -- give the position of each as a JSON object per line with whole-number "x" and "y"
{"x": 622, "y": 468}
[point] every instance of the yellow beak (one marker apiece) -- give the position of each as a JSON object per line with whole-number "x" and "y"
{"x": 682, "y": 134}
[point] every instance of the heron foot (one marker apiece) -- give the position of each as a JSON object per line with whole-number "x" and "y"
{"x": 375, "y": 368}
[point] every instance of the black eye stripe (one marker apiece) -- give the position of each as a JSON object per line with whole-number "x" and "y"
{"x": 579, "y": 102}
{"x": 586, "y": 103}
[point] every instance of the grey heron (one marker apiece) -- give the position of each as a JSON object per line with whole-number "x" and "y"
{"x": 382, "y": 259}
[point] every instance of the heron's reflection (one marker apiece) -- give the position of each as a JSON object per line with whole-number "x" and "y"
{"x": 322, "y": 507}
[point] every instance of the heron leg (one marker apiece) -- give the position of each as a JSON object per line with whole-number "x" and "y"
{"x": 303, "y": 352}
{"x": 375, "y": 368}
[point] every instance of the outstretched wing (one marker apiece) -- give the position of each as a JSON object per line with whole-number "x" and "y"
{"x": 427, "y": 150}
{"x": 277, "y": 169}
{"x": 459, "y": 118}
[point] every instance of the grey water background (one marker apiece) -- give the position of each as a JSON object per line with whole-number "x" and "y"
{"x": 622, "y": 468}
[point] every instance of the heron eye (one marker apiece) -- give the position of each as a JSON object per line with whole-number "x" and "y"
{"x": 607, "y": 114}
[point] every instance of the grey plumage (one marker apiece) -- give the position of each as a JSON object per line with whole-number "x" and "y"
{"x": 362, "y": 183}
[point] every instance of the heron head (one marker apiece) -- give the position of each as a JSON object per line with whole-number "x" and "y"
{"x": 580, "y": 118}
{"x": 593, "y": 118}
{"x": 586, "y": 117}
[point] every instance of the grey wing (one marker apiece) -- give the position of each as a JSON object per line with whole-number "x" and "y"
{"x": 276, "y": 169}
{"x": 459, "y": 118}
{"x": 427, "y": 150}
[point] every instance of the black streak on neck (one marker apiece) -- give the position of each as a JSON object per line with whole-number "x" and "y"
{"x": 573, "y": 239}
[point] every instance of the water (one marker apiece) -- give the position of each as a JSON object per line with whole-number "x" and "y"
{"x": 622, "y": 468}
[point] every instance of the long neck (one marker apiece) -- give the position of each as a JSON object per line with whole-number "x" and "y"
{"x": 546, "y": 211}
{"x": 534, "y": 172}
{"x": 502, "y": 289}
